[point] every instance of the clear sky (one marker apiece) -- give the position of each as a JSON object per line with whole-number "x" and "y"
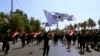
{"x": 81, "y": 9}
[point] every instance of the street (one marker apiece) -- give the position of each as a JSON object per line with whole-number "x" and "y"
{"x": 36, "y": 50}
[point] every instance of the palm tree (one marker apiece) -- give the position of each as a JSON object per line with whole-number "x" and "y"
{"x": 75, "y": 26}
{"x": 79, "y": 25}
{"x": 91, "y": 23}
{"x": 71, "y": 26}
{"x": 99, "y": 23}
{"x": 83, "y": 25}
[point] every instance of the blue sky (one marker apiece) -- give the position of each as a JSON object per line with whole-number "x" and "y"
{"x": 81, "y": 9}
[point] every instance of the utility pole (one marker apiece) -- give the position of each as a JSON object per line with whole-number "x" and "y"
{"x": 11, "y": 8}
{"x": 11, "y": 14}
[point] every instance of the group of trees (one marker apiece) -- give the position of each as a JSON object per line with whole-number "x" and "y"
{"x": 89, "y": 24}
{"x": 19, "y": 21}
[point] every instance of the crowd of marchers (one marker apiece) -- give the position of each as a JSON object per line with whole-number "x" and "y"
{"x": 85, "y": 41}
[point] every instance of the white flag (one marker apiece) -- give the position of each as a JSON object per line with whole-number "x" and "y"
{"x": 50, "y": 19}
{"x": 63, "y": 16}
{"x": 71, "y": 18}
{"x": 59, "y": 16}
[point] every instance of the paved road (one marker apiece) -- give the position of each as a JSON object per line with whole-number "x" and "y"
{"x": 60, "y": 50}
{"x": 36, "y": 50}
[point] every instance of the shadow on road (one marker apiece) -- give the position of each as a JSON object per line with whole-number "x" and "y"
{"x": 30, "y": 53}
{"x": 2, "y": 55}
{"x": 41, "y": 48}
{"x": 17, "y": 48}
{"x": 32, "y": 45}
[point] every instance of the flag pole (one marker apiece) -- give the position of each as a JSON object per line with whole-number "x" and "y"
{"x": 49, "y": 28}
{"x": 57, "y": 26}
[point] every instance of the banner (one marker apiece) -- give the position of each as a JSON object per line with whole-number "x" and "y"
{"x": 63, "y": 16}
{"x": 50, "y": 19}
{"x": 54, "y": 17}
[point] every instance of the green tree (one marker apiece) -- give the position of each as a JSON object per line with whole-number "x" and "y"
{"x": 32, "y": 23}
{"x": 19, "y": 21}
{"x": 28, "y": 28}
{"x": 37, "y": 25}
{"x": 2, "y": 18}
{"x": 3, "y": 22}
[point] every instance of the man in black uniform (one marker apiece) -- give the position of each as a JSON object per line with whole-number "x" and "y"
{"x": 82, "y": 43}
{"x": 88, "y": 37}
{"x": 23, "y": 39}
{"x": 68, "y": 38}
{"x": 46, "y": 44}
{"x": 6, "y": 46}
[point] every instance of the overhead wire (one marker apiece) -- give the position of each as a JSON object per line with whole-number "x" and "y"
{"x": 19, "y": 4}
